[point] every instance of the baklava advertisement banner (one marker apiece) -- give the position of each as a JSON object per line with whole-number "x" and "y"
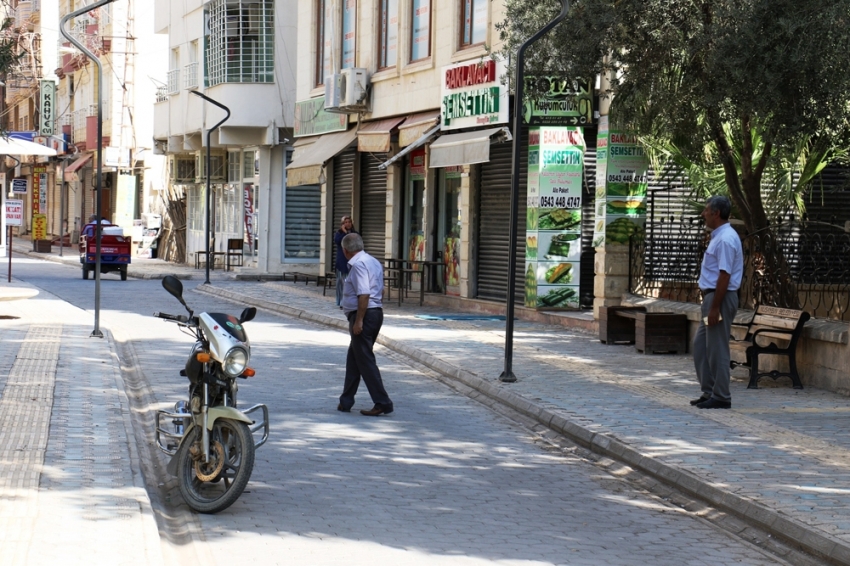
{"x": 625, "y": 191}
{"x": 553, "y": 227}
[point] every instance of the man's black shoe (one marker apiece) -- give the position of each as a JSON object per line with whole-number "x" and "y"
{"x": 343, "y": 409}
{"x": 700, "y": 400}
{"x": 375, "y": 411}
{"x": 715, "y": 404}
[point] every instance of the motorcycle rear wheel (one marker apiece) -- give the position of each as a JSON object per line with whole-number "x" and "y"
{"x": 224, "y": 489}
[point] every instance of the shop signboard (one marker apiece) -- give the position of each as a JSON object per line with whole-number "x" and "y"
{"x": 19, "y": 186}
{"x": 553, "y": 219}
{"x": 312, "y": 120}
{"x": 620, "y": 187}
{"x": 47, "y": 108}
{"x": 39, "y": 226}
{"x": 39, "y": 175}
{"x": 561, "y": 102}
{"x": 472, "y": 94}
{"x": 14, "y": 212}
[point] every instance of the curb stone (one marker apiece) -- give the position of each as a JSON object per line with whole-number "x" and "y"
{"x": 813, "y": 542}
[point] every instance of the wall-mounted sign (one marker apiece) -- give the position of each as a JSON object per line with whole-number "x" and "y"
{"x": 14, "y": 213}
{"x": 19, "y": 186}
{"x": 472, "y": 94}
{"x": 39, "y": 227}
{"x": 311, "y": 118}
{"x": 116, "y": 157}
{"x": 417, "y": 164}
{"x": 48, "y": 108}
{"x": 565, "y": 102}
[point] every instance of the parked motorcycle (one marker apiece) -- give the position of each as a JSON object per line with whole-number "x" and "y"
{"x": 210, "y": 441}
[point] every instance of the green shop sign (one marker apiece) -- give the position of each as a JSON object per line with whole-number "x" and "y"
{"x": 563, "y": 102}
{"x": 311, "y": 118}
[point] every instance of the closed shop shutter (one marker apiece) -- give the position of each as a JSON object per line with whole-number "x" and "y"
{"x": 373, "y": 203}
{"x": 302, "y": 222}
{"x": 494, "y": 212}
{"x": 343, "y": 183}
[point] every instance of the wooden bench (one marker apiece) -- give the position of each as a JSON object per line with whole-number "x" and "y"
{"x": 296, "y": 276}
{"x": 650, "y": 332}
{"x": 772, "y": 331}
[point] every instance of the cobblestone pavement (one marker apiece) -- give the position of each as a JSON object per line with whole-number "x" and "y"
{"x": 70, "y": 487}
{"x": 786, "y": 450}
{"x": 442, "y": 480}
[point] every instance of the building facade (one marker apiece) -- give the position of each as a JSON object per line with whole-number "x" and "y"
{"x": 414, "y": 139}
{"x": 242, "y": 55}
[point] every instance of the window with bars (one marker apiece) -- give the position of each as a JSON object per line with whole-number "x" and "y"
{"x": 195, "y": 204}
{"x": 240, "y": 44}
{"x": 228, "y": 210}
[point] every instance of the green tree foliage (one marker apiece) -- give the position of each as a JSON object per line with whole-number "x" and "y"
{"x": 738, "y": 87}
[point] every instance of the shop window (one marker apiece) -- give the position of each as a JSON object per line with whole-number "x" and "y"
{"x": 195, "y": 204}
{"x": 420, "y": 30}
{"x": 228, "y": 209}
{"x": 473, "y": 25}
{"x": 388, "y": 34}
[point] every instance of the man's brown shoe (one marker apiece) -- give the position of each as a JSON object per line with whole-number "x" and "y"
{"x": 375, "y": 411}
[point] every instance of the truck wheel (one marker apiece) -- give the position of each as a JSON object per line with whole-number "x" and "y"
{"x": 123, "y": 273}
{"x": 85, "y": 272}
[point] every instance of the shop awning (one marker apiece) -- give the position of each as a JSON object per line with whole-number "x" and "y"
{"x": 425, "y": 138}
{"x": 78, "y": 164}
{"x": 466, "y": 148}
{"x": 310, "y": 158}
{"x": 15, "y": 146}
{"x": 415, "y": 126}
{"x": 375, "y": 136}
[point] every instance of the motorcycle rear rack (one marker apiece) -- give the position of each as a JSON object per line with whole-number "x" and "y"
{"x": 171, "y": 449}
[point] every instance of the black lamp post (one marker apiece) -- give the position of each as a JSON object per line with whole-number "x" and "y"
{"x": 508, "y": 374}
{"x": 208, "y": 164}
{"x": 99, "y": 178}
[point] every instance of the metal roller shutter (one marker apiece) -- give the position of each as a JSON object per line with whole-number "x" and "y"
{"x": 494, "y": 213}
{"x": 302, "y": 222}
{"x": 373, "y": 203}
{"x": 343, "y": 183}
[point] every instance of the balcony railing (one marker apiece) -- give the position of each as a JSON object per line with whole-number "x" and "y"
{"x": 161, "y": 94}
{"x": 23, "y": 14}
{"x": 173, "y": 81}
{"x": 190, "y": 75}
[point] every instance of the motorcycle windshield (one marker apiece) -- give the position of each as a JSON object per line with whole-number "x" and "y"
{"x": 231, "y": 324}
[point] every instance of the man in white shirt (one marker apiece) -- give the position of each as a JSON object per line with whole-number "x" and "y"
{"x": 719, "y": 279}
{"x": 361, "y": 303}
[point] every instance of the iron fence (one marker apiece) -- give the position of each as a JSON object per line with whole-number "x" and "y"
{"x": 795, "y": 263}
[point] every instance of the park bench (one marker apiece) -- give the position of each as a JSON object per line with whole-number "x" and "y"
{"x": 650, "y": 332}
{"x": 296, "y": 276}
{"x": 772, "y": 331}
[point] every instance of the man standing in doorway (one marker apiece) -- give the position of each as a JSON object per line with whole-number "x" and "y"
{"x": 346, "y": 227}
{"x": 719, "y": 280}
{"x": 361, "y": 303}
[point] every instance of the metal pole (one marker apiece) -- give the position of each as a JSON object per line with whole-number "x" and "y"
{"x": 62, "y": 210}
{"x": 9, "y": 237}
{"x": 99, "y": 178}
{"x": 209, "y": 183}
{"x": 508, "y": 374}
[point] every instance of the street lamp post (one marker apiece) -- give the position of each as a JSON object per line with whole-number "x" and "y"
{"x": 99, "y": 178}
{"x": 209, "y": 173}
{"x": 508, "y": 374}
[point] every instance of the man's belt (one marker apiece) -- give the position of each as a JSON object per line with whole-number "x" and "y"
{"x": 706, "y": 291}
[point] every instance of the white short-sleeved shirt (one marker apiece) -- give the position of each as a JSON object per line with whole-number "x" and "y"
{"x": 724, "y": 253}
{"x": 365, "y": 277}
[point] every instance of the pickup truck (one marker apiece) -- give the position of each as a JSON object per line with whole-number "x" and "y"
{"x": 114, "y": 249}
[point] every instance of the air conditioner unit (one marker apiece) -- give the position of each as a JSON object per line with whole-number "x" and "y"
{"x": 182, "y": 169}
{"x": 333, "y": 92}
{"x": 355, "y": 90}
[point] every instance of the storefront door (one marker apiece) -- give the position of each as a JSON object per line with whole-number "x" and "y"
{"x": 413, "y": 229}
{"x": 448, "y": 222}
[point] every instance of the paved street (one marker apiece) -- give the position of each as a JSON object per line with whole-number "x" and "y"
{"x": 444, "y": 479}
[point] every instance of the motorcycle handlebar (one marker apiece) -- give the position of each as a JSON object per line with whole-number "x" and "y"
{"x": 175, "y": 317}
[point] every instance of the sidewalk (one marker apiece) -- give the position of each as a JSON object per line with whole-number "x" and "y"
{"x": 780, "y": 459}
{"x": 71, "y": 491}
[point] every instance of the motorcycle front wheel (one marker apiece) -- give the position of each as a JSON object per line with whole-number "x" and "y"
{"x": 210, "y": 487}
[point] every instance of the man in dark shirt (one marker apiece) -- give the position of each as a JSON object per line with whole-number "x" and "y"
{"x": 346, "y": 227}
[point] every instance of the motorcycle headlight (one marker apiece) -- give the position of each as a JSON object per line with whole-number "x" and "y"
{"x": 235, "y": 361}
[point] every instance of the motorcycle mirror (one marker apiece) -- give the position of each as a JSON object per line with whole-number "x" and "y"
{"x": 173, "y": 286}
{"x": 248, "y": 314}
